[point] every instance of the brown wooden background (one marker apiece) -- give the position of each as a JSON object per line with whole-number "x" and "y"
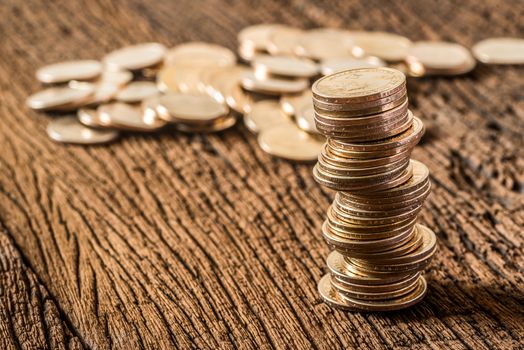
{"x": 190, "y": 241}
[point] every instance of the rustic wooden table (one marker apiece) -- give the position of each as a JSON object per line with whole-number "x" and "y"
{"x": 204, "y": 241}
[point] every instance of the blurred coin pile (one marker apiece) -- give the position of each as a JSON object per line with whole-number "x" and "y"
{"x": 200, "y": 87}
{"x": 379, "y": 250}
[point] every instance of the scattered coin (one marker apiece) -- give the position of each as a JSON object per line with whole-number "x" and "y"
{"x": 200, "y": 54}
{"x": 323, "y": 43}
{"x": 283, "y": 41}
{"x": 387, "y": 46}
{"x": 500, "y": 51}
{"x": 334, "y": 65}
{"x": 272, "y": 85}
{"x": 190, "y": 108}
{"x": 137, "y": 91}
{"x": 265, "y": 115}
{"x": 180, "y": 79}
{"x": 305, "y": 119}
{"x": 136, "y": 57}
{"x": 70, "y": 70}
{"x": 441, "y": 58}
{"x": 256, "y": 37}
{"x": 59, "y": 98}
{"x": 285, "y": 66}
{"x": 127, "y": 117}
{"x": 288, "y": 141}
{"x": 70, "y": 130}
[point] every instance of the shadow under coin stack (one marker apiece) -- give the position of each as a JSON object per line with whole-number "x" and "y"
{"x": 379, "y": 249}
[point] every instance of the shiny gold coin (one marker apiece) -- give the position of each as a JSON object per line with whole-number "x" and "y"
{"x": 180, "y": 79}
{"x": 305, "y": 119}
{"x": 420, "y": 175}
{"x": 69, "y": 130}
{"x": 439, "y": 57}
{"x": 217, "y": 125}
{"x": 222, "y": 83}
{"x": 323, "y": 43}
{"x": 103, "y": 92}
{"x": 285, "y": 66}
{"x": 60, "y": 98}
{"x": 289, "y": 142}
{"x": 70, "y": 70}
{"x": 408, "y": 280}
{"x": 387, "y": 46}
{"x": 342, "y": 183}
{"x": 272, "y": 85}
{"x": 409, "y": 137}
{"x": 335, "y": 299}
{"x": 256, "y": 37}
{"x": 265, "y": 115}
{"x": 135, "y": 57}
{"x": 283, "y": 40}
{"x": 291, "y": 104}
{"x": 373, "y": 296}
{"x": 127, "y": 117}
{"x": 358, "y": 85}
{"x": 199, "y": 54}
{"x": 500, "y": 51}
{"x": 338, "y": 266}
{"x": 337, "y": 64}
{"x": 190, "y": 108}
{"x": 89, "y": 117}
{"x": 137, "y": 91}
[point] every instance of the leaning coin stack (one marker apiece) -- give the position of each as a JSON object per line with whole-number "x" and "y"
{"x": 379, "y": 250}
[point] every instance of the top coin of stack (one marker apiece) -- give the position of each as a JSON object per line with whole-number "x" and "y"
{"x": 374, "y": 108}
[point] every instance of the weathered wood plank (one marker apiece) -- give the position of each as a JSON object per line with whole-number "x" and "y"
{"x": 29, "y": 318}
{"x": 180, "y": 241}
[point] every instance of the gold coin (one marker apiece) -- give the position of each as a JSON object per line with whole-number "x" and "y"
{"x": 283, "y": 40}
{"x": 387, "y": 46}
{"x": 409, "y": 137}
{"x": 199, "y": 54}
{"x": 137, "y": 91}
{"x": 407, "y": 280}
{"x": 59, "y": 98}
{"x": 135, "y": 57}
{"x": 420, "y": 175}
{"x": 103, "y": 92}
{"x": 69, "y": 130}
{"x": 291, "y": 104}
{"x": 500, "y": 51}
{"x": 337, "y": 64}
{"x": 338, "y": 266}
{"x": 126, "y": 117}
{"x": 180, "y": 79}
{"x": 256, "y": 37}
{"x": 337, "y": 300}
{"x": 441, "y": 57}
{"x": 350, "y": 110}
{"x": 323, "y": 43}
{"x": 265, "y": 115}
{"x": 217, "y": 125}
{"x": 221, "y": 84}
{"x": 305, "y": 119}
{"x": 372, "y": 296}
{"x": 190, "y": 108}
{"x": 285, "y": 66}
{"x": 89, "y": 117}
{"x": 70, "y": 70}
{"x": 272, "y": 85}
{"x": 289, "y": 142}
{"x": 359, "y": 85}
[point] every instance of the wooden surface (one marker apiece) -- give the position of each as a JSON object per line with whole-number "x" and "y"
{"x": 191, "y": 241}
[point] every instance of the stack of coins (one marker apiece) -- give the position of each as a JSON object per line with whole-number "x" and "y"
{"x": 379, "y": 249}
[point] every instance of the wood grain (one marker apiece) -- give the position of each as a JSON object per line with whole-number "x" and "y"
{"x": 204, "y": 241}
